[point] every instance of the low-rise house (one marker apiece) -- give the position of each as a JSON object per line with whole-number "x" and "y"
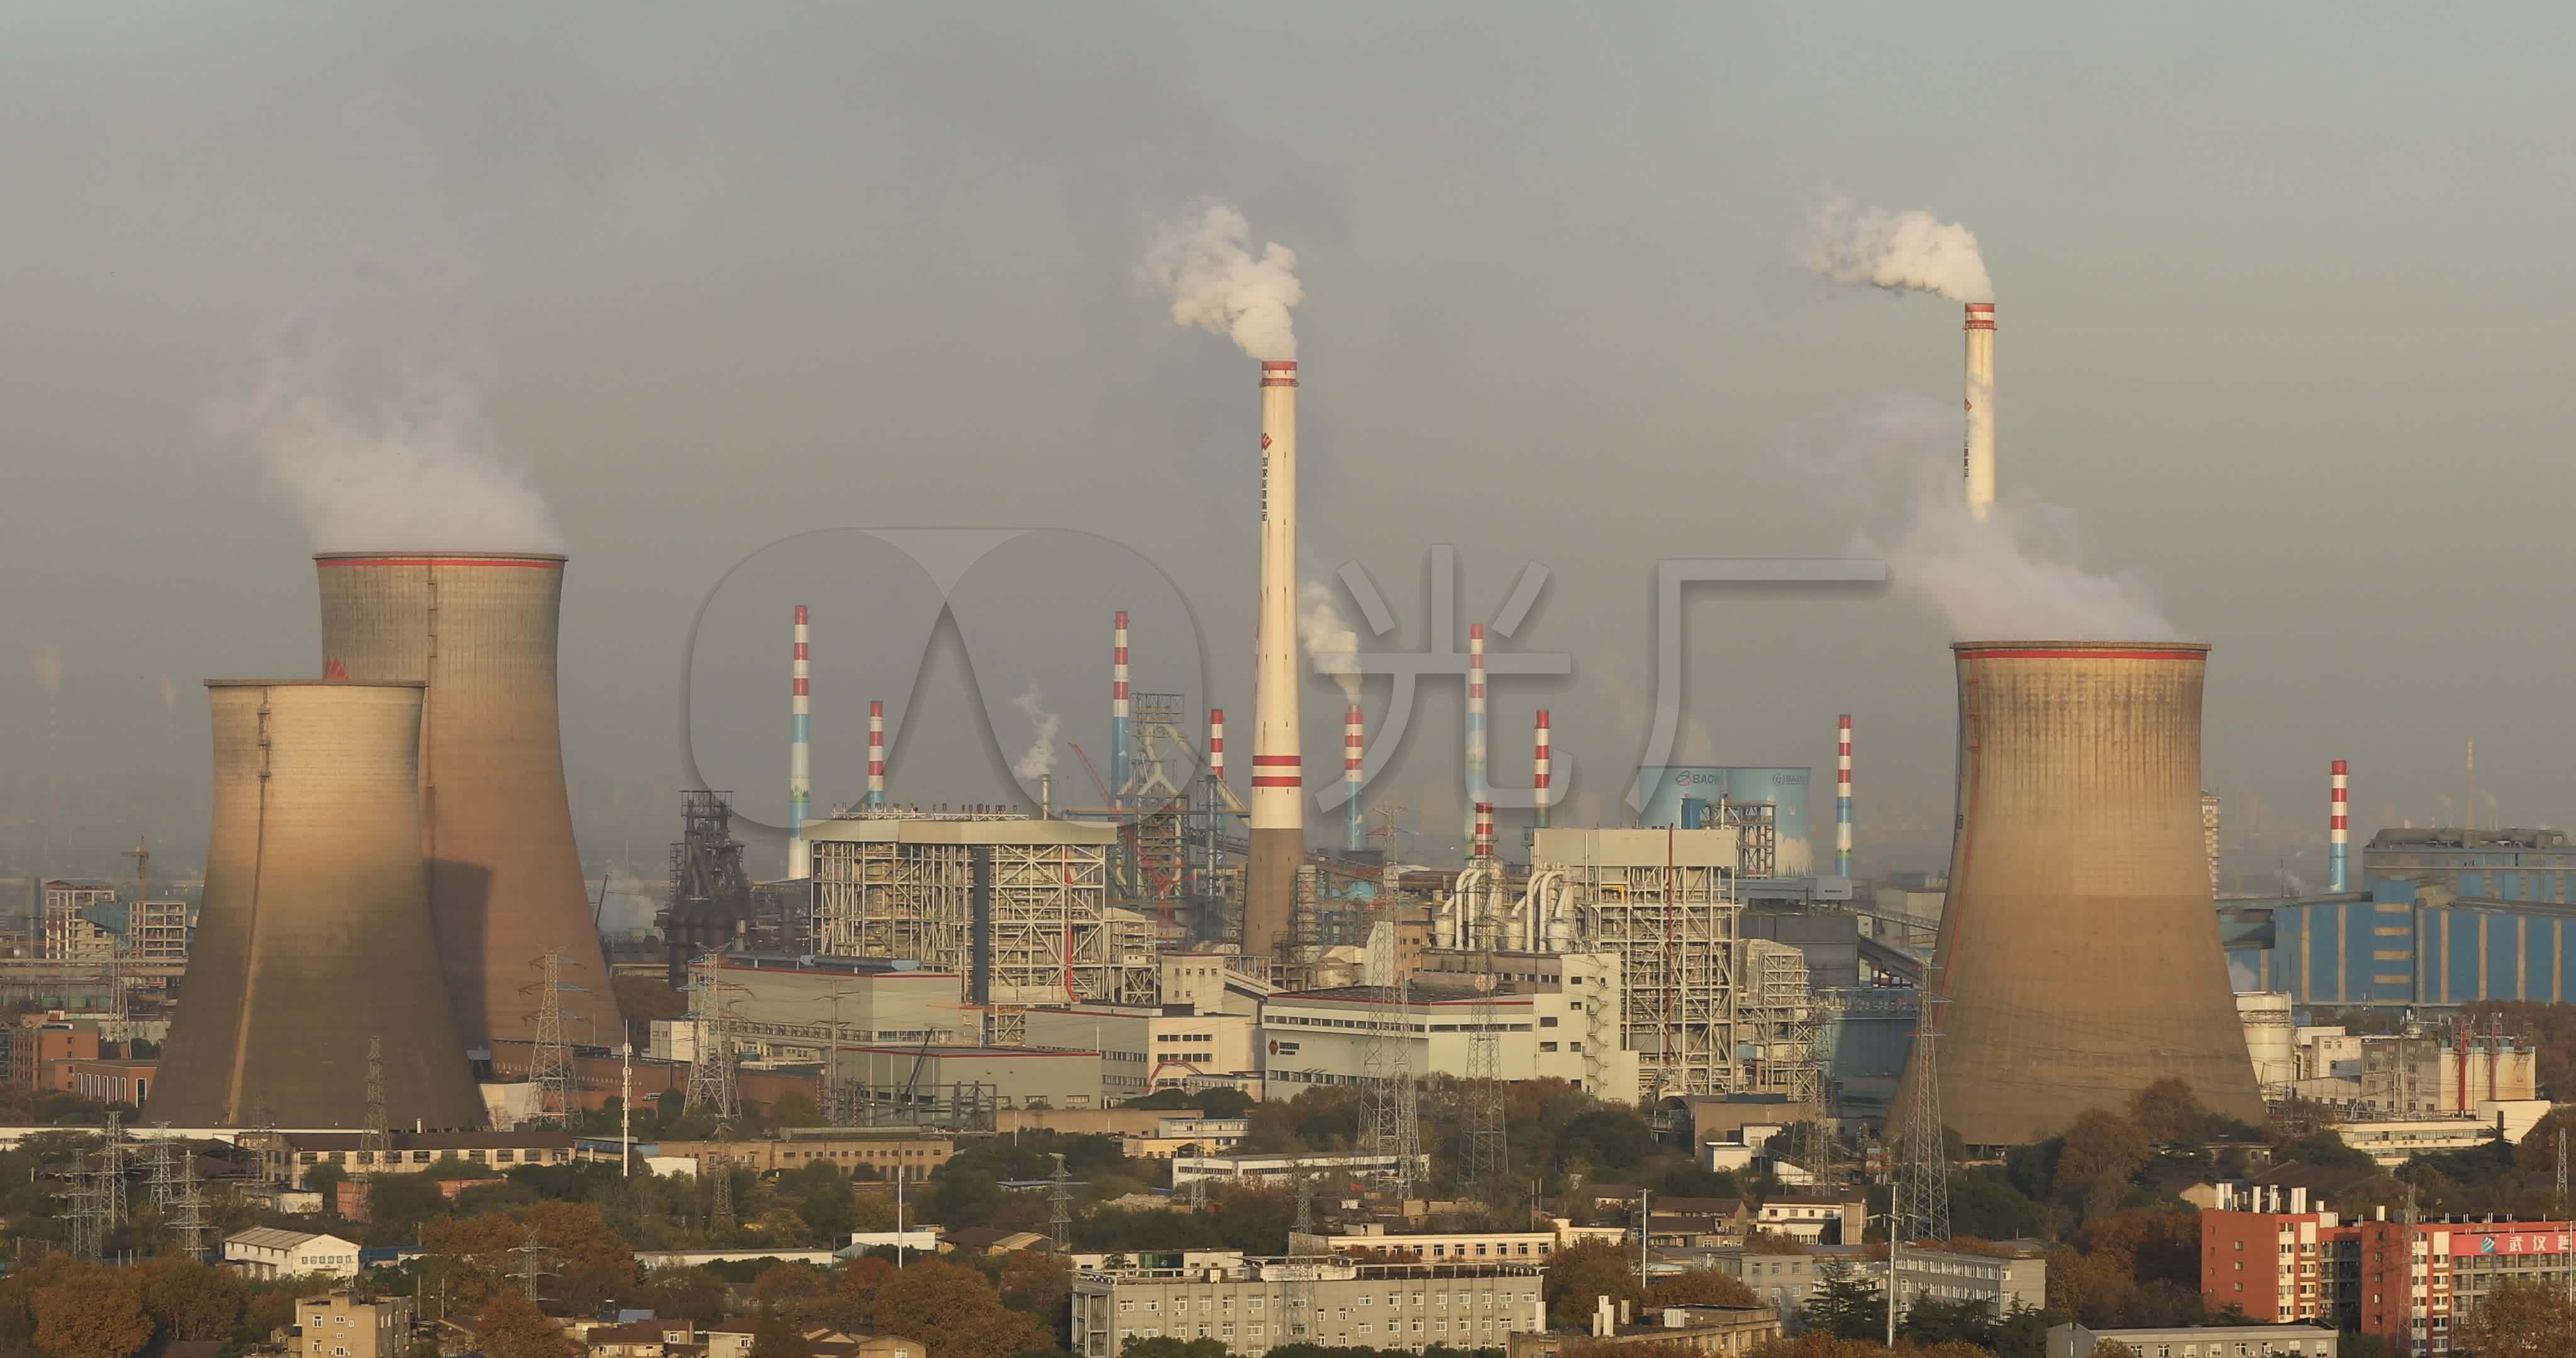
{"x": 1814, "y": 1218}
{"x": 268, "y": 1252}
{"x": 2218, "y": 1341}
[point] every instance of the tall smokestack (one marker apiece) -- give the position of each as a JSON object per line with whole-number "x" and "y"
{"x": 1842, "y": 801}
{"x": 1539, "y": 774}
{"x": 1216, "y": 744}
{"x": 505, "y": 882}
{"x": 1484, "y": 840}
{"x": 2335, "y": 830}
{"x": 2078, "y": 953}
{"x": 1278, "y": 813}
{"x": 1118, "y": 731}
{"x": 1354, "y": 751}
{"x": 800, "y": 779}
{"x": 1478, "y": 790}
{"x": 1980, "y": 456}
{"x": 876, "y": 753}
{"x": 314, "y": 939}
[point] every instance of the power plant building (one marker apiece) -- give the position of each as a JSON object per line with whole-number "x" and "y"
{"x": 2404, "y": 944}
{"x": 2499, "y": 865}
{"x": 2079, "y": 954}
{"x": 505, "y": 882}
{"x": 1016, "y": 909}
{"x": 314, "y": 942}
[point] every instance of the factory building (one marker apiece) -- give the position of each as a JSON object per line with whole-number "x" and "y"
{"x": 1557, "y": 1015}
{"x": 2500, "y": 865}
{"x": 953, "y": 1078}
{"x": 2404, "y": 944}
{"x": 1016, "y": 909}
{"x": 796, "y": 1006}
{"x": 1143, "y": 1049}
{"x": 1691, "y": 798}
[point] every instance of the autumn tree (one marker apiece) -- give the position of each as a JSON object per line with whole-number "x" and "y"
{"x": 954, "y": 1313}
{"x": 2102, "y": 1150}
{"x": 511, "y": 1326}
{"x": 92, "y": 1312}
{"x": 2169, "y": 1113}
{"x": 1586, "y": 1270}
{"x": 1700, "y": 1287}
{"x": 188, "y": 1299}
{"x": 481, "y": 1254}
{"x": 2148, "y": 1245}
{"x": 2519, "y": 1319}
{"x": 775, "y": 1336}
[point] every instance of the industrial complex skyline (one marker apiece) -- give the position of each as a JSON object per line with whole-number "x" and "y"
{"x": 1559, "y": 320}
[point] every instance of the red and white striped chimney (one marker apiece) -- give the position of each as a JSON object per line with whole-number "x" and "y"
{"x": 1539, "y": 773}
{"x": 1118, "y": 730}
{"x": 1278, "y": 838}
{"x": 1354, "y": 751}
{"x": 1842, "y": 801}
{"x": 1216, "y": 744}
{"x": 876, "y": 753}
{"x": 2335, "y": 831}
{"x": 1484, "y": 830}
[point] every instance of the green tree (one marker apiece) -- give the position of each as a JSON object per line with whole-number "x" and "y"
{"x": 954, "y": 1312}
{"x": 2169, "y": 1113}
{"x": 325, "y": 1179}
{"x": 775, "y": 1336}
{"x": 1699, "y": 1287}
{"x": 1167, "y": 1347}
{"x": 1844, "y": 1306}
{"x": 2102, "y": 1151}
{"x": 962, "y": 1197}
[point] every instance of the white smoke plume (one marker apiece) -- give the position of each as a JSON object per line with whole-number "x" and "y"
{"x": 423, "y": 472}
{"x": 1330, "y": 641}
{"x": 169, "y": 695}
{"x": 1040, "y": 759}
{"x": 45, "y": 657}
{"x": 1217, "y": 282}
{"x": 2011, "y": 576}
{"x": 1900, "y": 251}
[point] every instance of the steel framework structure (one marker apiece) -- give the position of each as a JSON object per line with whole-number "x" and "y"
{"x": 1674, "y": 928}
{"x": 1393, "y": 1123}
{"x": 1049, "y": 935}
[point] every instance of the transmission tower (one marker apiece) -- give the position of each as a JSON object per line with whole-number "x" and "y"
{"x": 532, "y": 1263}
{"x": 1060, "y": 1211}
{"x": 163, "y": 1174}
{"x": 711, "y": 1076}
{"x": 1485, "y": 1151}
{"x": 1920, "y": 1206}
{"x": 188, "y": 1207}
{"x": 720, "y": 1191}
{"x": 111, "y": 1170}
{"x": 1305, "y": 1223}
{"x": 379, "y": 1135}
{"x": 550, "y": 1065}
{"x": 1393, "y": 1124}
{"x": 2562, "y": 1172}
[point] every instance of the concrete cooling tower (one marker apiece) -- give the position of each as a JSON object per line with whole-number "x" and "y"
{"x": 2079, "y": 951}
{"x": 314, "y": 939}
{"x": 504, "y": 880}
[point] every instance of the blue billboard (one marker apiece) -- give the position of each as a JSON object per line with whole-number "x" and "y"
{"x": 1687, "y": 795}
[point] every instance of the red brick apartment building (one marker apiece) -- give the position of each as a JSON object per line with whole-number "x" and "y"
{"x": 2407, "y": 1282}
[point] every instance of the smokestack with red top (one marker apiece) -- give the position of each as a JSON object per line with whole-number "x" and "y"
{"x": 876, "y": 753}
{"x": 800, "y": 781}
{"x": 1216, "y": 744}
{"x": 1278, "y": 814}
{"x": 1842, "y": 801}
{"x": 1484, "y": 831}
{"x": 2335, "y": 831}
{"x": 1354, "y": 827}
{"x": 1979, "y": 460}
{"x": 1478, "y": 791}
{"x": 1539, "y": 797}
{"x": 1118, "y": 755}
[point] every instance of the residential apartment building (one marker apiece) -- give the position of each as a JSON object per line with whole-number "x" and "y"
{"x": 1185, "y": 1136}
{"x": 1691, "y": 1329}
{"x": 1813, "y": 1218}
{"x": 2407, "y": 1282}
{"x": 1285, "y": 1169}
{"x": 1253, "y": 1304}
{"x": 69, "y": 935}
{"x": 157, "y": 931}
{"x": 2218, "y": 1341}
{"x": 1372, "y": 1241}
{"x": 339, "y": 1326}
{"x": 409, "y": 1151}
{"x": 1784, "y": 1280}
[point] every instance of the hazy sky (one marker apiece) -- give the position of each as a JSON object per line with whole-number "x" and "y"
{"x": 2283, "y": 295}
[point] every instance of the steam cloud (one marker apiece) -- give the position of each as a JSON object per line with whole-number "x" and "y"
{"x": 1217, "y": 283}
{"x": 2012, "y": 575}
{"x": 424, "y": 472}
{"x": 1329, "y": 639}
{"x": 45, "y": 657}
{"x": 1900, "y": 251}
{"x": 1040, "y": 759}
{"x": 169, "y": 695}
